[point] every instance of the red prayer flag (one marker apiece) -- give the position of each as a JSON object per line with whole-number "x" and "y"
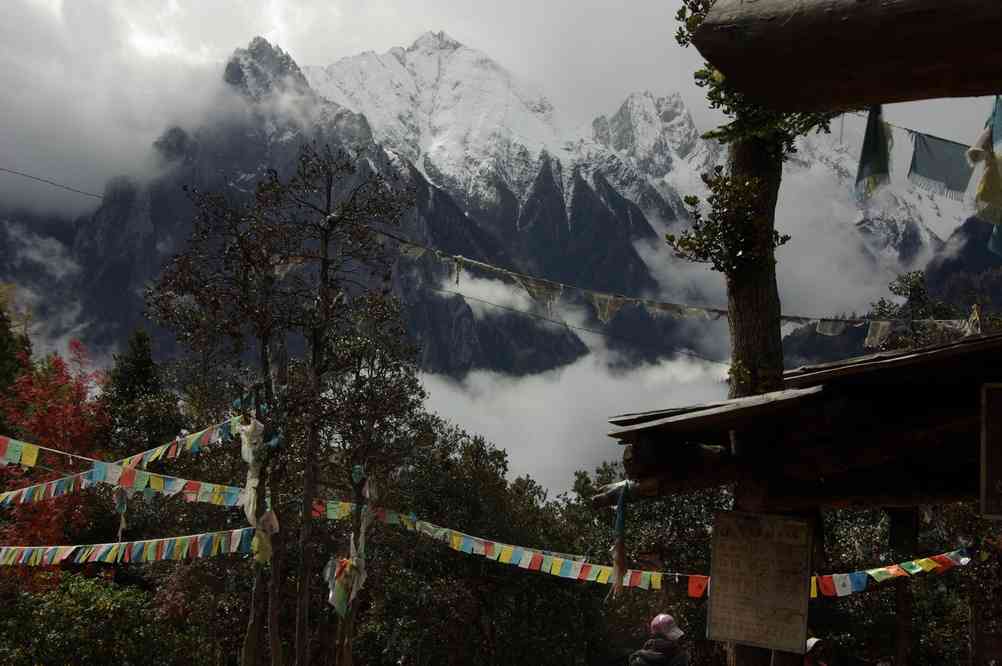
{"x": 944, "y": 562}
{"x": 319, "y": 510}
{"x": 128, "y": 477}
{"x": 489, "y": 548}
{"x": 896, "y": 571}
{"x": 635, "y": 578}
{"x": 160, "y": 549}
{"x": 585, "y": 570}
{"x": 536, "y": 562}
{"x": 827, "y": 586}
{"x": 192, "y": 486}
{"x": 3, "y": 445}
{"x": 172, "y": 451}
{"x": 697, "y": 586}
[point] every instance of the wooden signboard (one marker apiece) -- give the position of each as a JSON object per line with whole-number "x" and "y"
{"x": 991, "y": 451}
{"x": 760, "y": 581}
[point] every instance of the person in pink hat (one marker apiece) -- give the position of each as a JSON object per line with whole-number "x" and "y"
{"x": 664, "y": 647}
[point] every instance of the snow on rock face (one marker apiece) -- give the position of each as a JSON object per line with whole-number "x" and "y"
{"x": 451, "y": 110}
{"x": 261, "y": 70}
{"x": 469, "y": 124}
{"x": 476, "y": 130}
{"x": 649, "y": 130}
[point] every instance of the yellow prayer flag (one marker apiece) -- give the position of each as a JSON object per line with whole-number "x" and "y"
{"x": 112, "y": 554}
{"x": 926, "y": 564}
{"x": 814, "y": 587}
{"x": 506, "y": 554}
{"x": 29, "y": 455}
{"x": 556, "y": 565}
{"x": 156, "y": 482}
{"x": 655, "y": 581}
{"x": 603, "y": 575}
{"x": 456, "y": 541}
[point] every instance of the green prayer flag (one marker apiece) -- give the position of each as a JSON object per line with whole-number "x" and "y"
{"x": 875, "y": 159}
{"x": 880, "y": 574}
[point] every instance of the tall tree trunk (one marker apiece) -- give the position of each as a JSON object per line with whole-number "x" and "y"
{"x": 306, "y": 549}
{"x": 753, "y": 311}
{"x": 753, "y": 296}
{"x": 318, "y": 342}
{"x": 277, "y": 578}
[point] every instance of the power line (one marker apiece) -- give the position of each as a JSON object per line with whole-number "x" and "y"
{"x": 564, "y": 324}
{"x": 51, "y": 182}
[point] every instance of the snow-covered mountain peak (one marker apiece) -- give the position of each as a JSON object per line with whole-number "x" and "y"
{"x": 262, "y": 69}
{"x": 651, "y": 131}
{"x": 450, "y": 109}
{"x": 434, "y": 41}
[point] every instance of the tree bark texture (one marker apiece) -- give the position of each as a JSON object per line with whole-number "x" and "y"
{"x": 753, "y": 311}
{"x": 306, "y": 550}
{"x": 275, "y": 584}
{"x": 753, "y": 295}
{"x": 318, "y": 343}
{"x": 795, "y": 55}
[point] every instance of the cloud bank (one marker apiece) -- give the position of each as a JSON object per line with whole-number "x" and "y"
{"x": 555, "y": 423}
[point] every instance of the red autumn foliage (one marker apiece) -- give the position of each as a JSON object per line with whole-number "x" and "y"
{"x": 52, "y": 403}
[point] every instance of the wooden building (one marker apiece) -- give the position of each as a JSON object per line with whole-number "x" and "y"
{"x": 892, "y": 429}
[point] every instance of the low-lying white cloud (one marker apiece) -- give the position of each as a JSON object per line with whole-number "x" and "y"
{"x": 555, "y": 423}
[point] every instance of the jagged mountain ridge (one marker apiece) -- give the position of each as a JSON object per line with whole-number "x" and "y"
{"x": 525, "y": 191}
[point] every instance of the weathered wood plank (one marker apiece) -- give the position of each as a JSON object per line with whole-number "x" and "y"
{"x": 979, "y": 348}
{"x": 841, "y": 54}
{"x": 726, "y": 412}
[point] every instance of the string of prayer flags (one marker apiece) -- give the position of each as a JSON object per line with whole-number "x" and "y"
{"x": 128, "y": 478}
{"x": 875, "y": 159}
{"x": 208, "y": 544}
{"x": 16, "y": 452}
{"x": 940, "y": 166}
{"x": 187, "y": 443}
{"x": 548, "y": 292}
{"x": 576, "y": 567}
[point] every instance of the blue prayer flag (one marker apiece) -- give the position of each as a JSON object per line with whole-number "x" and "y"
{"x": 858, "y": 580}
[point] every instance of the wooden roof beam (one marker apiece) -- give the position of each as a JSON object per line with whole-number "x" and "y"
{"x": 797, "y": 55}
